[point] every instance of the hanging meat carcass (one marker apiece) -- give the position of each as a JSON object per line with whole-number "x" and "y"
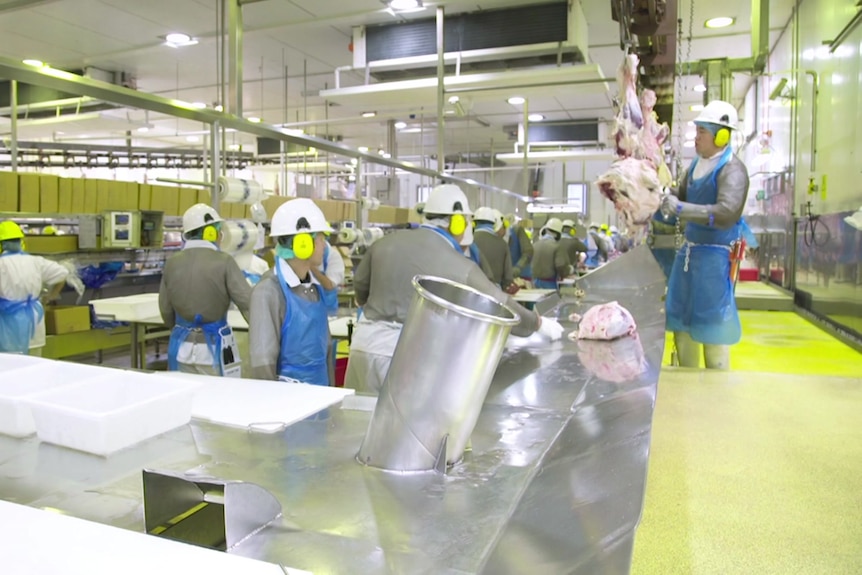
{"x": 634, "y": 182}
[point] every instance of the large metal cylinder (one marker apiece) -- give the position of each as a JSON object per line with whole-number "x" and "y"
{"x": 438, "y": 378}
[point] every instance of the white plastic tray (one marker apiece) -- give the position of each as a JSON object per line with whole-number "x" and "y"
{"x": 18, "y": 386}
{"x": 15, "y": 361}
{"x": 109, "y": 413}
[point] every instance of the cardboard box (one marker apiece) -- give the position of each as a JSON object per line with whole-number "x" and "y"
{"x": 330, "y": 208}
{"x": 145, "y": 195}
{"x": 49, "y": 194}
{"x": 78, "y": 196}
{"x": 67, "y": 319}
{"x": 165, "y": 199}
{"x": 91, "y": 196}
{"x": 8, "y": 192}
{"x": 29, "y": 195}
{"x": 272, "y": 203}
{"x": 348, "y": 211}
{"x": 64, "y": 190}
{"x": 204, "y": 197}
{"x": 131, "y": 198}
{"x": 103, "y": 195}
{"x": 187, "y": 198}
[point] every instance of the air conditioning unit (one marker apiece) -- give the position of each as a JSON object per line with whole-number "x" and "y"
{"x": 482, "y": 41}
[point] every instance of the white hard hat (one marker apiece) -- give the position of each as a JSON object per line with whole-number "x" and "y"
{"x": 297, "y": 216}
{"x": 490, "y": 215}
{"x": 555, "y": 225}
{"x": 720, "y": 113}
{"x": 447, "y": 199}
{"x": 568, "y": 223}
{"x": 198, "y": 216}
{"x": 594, "y": 225}
{"x": 615, "y": 230}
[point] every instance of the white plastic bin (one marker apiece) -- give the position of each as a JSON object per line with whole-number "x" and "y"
{"x": 16, "y": 361}
{"x": 18, "y": 386}
{"x": 110, "y": 413}
{"x": 128, "y": 308}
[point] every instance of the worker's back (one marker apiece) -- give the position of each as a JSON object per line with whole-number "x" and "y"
{"x": 396, "y": 259}
{"x": 496, "y": 252}
{"x": 573, "y": 247}
{"x": 23, "y": 275}
{"x": 547, "y": 254}
{"x": 202, "y": 281}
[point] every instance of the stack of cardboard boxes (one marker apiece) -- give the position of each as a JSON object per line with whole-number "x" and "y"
{"x": 32, "y": 193}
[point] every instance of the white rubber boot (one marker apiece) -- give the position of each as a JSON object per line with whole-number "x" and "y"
{"x": 687, "y": 350}
{"x": 717, "y": 356}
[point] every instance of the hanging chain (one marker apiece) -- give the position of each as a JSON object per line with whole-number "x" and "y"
{"x": 678, "y": 101}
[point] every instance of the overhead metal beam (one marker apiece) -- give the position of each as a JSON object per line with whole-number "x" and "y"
{"x": 75, "y": 84}
{"x": 234, "y": 51}
{"x": 759, "y": 33}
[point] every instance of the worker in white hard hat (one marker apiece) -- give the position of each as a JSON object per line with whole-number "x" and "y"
{"x": 198, "y": 286}
{"x": 22, "y": 279}
{"x": 488, "y": 238}
{"x": 289, "y": 329}
{"x": 700, "y": 305}
{"x": 383, "y": 284}
{"x": 575, "y": 248}
{"x": 550, "y": 258}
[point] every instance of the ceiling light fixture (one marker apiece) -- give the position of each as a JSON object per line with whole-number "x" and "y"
{"x": 404, "y": 5}
{"x": 192, "y": 139}
{"x": 535, "y": 117}
{"x": 233, "y": 147}
{"x": 362, "y": 149}
{"x": 369, "y": 114}
{"x": 143, "y": 129}
{"x": 386, "y": 155}
{"x": 253, "y": 119}
{"x": 199, "y": 105}
{"x": 400, "y": 125}
{"x": 381, "y": 151}
{"x": 219, "y": 108}
{"x": 700, "y": 88}
{"x": 179, "y": 40}
{"x": 35, "y": 63}
{"x": 516, "y": 100}
{"x": 454, "y": 99}
{"x": 720, "y": 22}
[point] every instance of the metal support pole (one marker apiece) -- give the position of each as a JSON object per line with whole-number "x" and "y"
{"x": 215, "y": 166}
{"x": 235, "y": 57}
{"x": 526, "y": 131}
{"x": 392, "y": 146}
{"x": 360, "y": 213}
{"x": 13, "y": 98}
{"x": 441, "y": 92}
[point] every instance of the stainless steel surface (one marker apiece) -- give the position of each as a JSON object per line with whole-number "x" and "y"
{"x": 442, "y": 367}
{"x": 241, "y": 509}
{"x": 554, "y": 482}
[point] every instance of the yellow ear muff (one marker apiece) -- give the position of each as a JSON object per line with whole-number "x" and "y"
{"x": 210, "y": 234}
{"x": 303, "y": 246}
{"x": 722, "y": 137}
{"x": 457, "y": 224}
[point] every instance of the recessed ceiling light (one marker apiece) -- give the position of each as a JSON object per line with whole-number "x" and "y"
{"x": 233, "y": 147}
{"x": 696, "y": 107}
{"x": 35, "y": 63}
{"x": 720, "y": 22}
{"x": 369, "y": 114}
{"x": 253, "y": 119}
{"x": 402, "y": 5}
{"x": 386, "y": 155}
{"x": 192, "y": 139}
{"x": 400, "y": 125}
{"x": 178, "y": 40}
{"x": 700, "y": 88}
{"x": 535, "y": 117}
{"x": 362, "y": 149}
{"x": 143, "y": 129}
{"x": 199, "y": 105}
{"x": 381, "y": 151}
{"x": 454, "y": 99}
{"x": 354, "y": 161}
{"x": 219, "y": 108}
{"x": 688, "y": 144}
{"x": 516, "y": 100}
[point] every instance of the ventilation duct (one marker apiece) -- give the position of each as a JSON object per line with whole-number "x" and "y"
{"x": 483, "y": 41}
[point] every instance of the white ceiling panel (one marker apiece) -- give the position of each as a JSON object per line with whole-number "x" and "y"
{"x": 166, "y": 15}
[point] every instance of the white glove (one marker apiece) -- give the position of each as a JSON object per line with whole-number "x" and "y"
{"x": 551, "y": 329}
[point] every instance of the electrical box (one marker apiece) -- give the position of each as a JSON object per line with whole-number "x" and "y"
{"x": 121, "y": 229}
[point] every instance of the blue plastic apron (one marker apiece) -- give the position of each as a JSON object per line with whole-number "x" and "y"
{"x": 214, "y": 333}
{"x": 304, "y": 337}
{"x": 515, "y": 251}
{"x": 18, "y": 320}
{"x": 474, "y": 251}
{"x": 700, "y": 293}
{"x": 664, "y": 256}
{"x": 329, "y": 296}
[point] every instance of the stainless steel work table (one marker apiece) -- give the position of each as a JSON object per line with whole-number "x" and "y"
{"x": 554, "y": 483}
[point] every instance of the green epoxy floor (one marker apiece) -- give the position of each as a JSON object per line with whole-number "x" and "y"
{"x": 758, "y": 470}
